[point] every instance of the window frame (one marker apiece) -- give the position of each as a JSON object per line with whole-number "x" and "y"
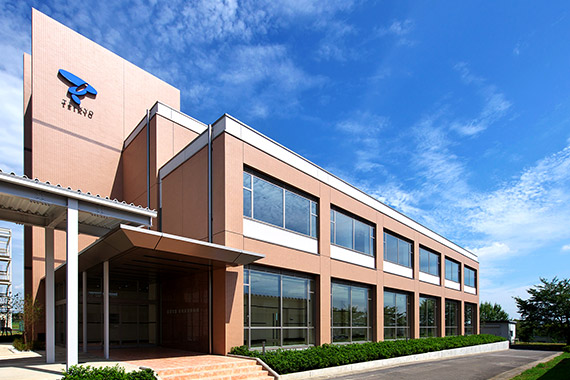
{"x": 450, "y": 327}
{"x": 312, "y": 210}
{"x": 467, "y": 278}
{"x": 399, "y": 239}
{"x": 451, "y": 272}
{"x": 434, "y": 328}
{"x": 395, "y": 327}
{"x": 469, "y": 327}
{"x": 310, "y": 302}
{"x": 430, "y": 253}
{"x": 351, "y": 326}
{"x": 354, "y": 219}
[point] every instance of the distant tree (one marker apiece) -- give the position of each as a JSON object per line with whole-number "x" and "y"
{"x": 495, "y": 312}
{"x": 31, "y": 312}
{"x": 548, "y": 307}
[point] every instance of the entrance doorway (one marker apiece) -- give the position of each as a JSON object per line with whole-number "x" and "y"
{"x": 185, "y": 314}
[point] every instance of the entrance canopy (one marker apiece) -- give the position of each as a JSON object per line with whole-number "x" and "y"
{"x": 35, "y": 203}
{"x": 41, "y": 204}
{"x": 132, "y": 250}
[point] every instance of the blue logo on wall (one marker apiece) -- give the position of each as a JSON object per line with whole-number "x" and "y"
{"x": 79, "y": 87}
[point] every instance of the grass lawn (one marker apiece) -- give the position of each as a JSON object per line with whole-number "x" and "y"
{"x": 556, "y": 369}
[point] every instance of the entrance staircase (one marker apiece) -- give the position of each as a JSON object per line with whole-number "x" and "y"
{"x": 231, "y": 370}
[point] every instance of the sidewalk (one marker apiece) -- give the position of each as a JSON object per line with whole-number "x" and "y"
{"x": 32, "y": 365}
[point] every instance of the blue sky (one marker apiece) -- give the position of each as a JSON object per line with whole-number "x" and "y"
{"x": 455, "y": 113}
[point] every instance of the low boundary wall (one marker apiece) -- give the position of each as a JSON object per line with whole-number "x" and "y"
{"x": 349, "y": 368}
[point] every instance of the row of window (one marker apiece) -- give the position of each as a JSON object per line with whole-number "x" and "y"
{"x": 266, "y": 202}
{"x": 279, "y": 310}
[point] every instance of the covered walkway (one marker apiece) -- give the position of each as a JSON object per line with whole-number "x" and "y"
{"x": 133, "y": 251}
{"x": 41, "y": 204}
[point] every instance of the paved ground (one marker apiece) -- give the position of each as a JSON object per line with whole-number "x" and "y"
{"x": 32, "y": 366}
{"x": 473, "y": 367}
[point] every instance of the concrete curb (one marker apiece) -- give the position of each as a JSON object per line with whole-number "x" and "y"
{"x": 517, "y": 371}
{"x": 375, "y": 364}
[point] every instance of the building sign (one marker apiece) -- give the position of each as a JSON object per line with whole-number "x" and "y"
{"x": 77, "y": 90}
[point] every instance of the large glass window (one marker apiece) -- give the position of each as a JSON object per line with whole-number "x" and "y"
{"x": 397, "y": 251}
{"x": 429, "y": 262}
{"x": 396, "y": 316}
{"x": 351, "y": 233}
{"x": 269, "y": 203}
{"x": 469, "y": 322}
{"x": 451, "y": 270}
{"x": 278, "y": 309}
{"x": 451, "y": 318}
{"x": 351, "y": 307}
{"x": 470, "y": 277}
{"x": 428, "y": 317}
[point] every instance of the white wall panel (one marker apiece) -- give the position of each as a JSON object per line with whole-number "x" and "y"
{"x": 275, "y": 235}
{"x": 352, "y": 257}
{"x": 400, "y": 270}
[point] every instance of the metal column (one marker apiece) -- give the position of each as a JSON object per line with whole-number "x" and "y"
{"x": 72, "y": 283}
{"x": 84, "y": 307}
{"x": 106, "y": 309}
{"x": 50, "y": 297}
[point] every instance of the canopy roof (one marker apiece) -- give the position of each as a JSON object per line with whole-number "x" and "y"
{"x": 35, "y": 203}
{"x": 135, "y": 251}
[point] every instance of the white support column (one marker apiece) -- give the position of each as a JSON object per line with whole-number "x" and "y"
{"x": 50, "y": 297}
{"x": 72, "y": 299}
{"x": 106, "y": 309}
{"x": 84, "y": 307}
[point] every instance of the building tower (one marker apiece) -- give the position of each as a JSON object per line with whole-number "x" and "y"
{"x": 5, "y": 278}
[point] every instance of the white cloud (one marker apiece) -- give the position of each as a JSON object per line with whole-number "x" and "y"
{"x": 516, "y": 218}
{"x": 334, "y": 45}
{"x": 493, "y": 251}
{"x": 216, "y": 39}
{"x": 14, "y": 41}
{"x": 363, "y": 130}
{"x": 495, "y": 105}
{"x": 566, "y": 247}
{"x": 11, "y": 120}
{"x": 400, "y": 30}
{"x": 530, "y": 211}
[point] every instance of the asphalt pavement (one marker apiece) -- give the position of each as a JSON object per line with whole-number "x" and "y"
{"x": 493, "y": 365}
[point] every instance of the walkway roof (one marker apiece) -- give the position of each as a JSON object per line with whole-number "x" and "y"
{"x": 35, "y": 203}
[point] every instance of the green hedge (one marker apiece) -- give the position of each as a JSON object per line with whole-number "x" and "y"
{"x": 78, "y": 372}
{"x": 331, "y": 355}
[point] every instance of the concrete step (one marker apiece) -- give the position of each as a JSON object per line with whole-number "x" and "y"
{"x": 228, "y": 371}
{"x": 228, "y": 377}
{"x": 207, "y": 367}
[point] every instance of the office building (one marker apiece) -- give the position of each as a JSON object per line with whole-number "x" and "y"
{"x": 253, "y": 244}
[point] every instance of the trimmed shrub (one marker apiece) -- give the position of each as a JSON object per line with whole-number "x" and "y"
{"x": 78, "y": 372}
{"x": 566, "y": 348}
{"x": 332, "y": 355}
{"x": 20, "y": 345}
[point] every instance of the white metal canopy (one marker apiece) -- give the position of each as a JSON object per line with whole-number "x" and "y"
{"x": 35, "y": 203}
